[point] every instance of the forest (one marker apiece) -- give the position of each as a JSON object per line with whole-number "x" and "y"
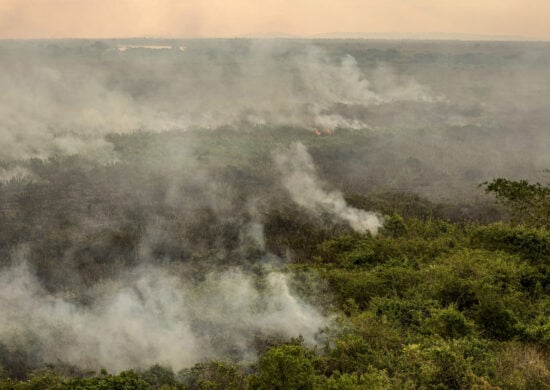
{"x": 244, "y": 214}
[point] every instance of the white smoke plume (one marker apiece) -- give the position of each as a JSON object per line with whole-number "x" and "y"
{"x": 300, "y": 178}
{"x": 151, "y": 315}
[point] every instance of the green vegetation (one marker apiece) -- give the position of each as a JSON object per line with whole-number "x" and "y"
{"x": 528, "y": 203}
{"x": 436, "y": 300}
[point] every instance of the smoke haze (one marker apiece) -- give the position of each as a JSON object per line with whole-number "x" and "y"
{"x": 151, "y": 189}
{"x": 62, "y": 101}
{"x": 437, "y": 106}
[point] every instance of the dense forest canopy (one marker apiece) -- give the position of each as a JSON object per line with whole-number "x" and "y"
{"x": 274, "y": 214}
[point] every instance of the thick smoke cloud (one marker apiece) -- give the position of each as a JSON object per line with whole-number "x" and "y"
{"x": 152, "y": 315}
{"x": 299, "y": 177}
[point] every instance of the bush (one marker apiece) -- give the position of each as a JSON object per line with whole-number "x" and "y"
{"x": 495, "y": 320}
{"x": 449, "y": 323}
{"x": 361, "y": 286}
{"x": 528, "y": 203}
{"x": 212, "y": 375}
{"x": 533, "y": 244}
{"x": 373, "y": 379}
{"x": 442, "y": 365}
{"x": 158, "y": 376}
{"x": 520, "y": 366}
{"x": 285, "y": 367}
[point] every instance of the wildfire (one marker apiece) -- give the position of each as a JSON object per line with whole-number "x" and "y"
{"x": 327, "y": 131}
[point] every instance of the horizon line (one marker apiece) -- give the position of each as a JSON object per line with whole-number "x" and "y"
{"x": 432, "y": 36}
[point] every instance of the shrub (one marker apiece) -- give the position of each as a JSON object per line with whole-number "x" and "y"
{"x": 528, "y": 203}
{"x": 533, "y": 244}
{"x": 373, "y": 379}
{"x": 285, "y": 367}
{"x": 158, "y": 376}
{"x": 495, "y": 320}
{"x": 520, "y": 366}
{"x": 212, "y": 375}
{"x": 439, "y": 366}
{"x": 449, "y": 323}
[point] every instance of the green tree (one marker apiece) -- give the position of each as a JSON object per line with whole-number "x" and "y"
{"x": 285, "y": 367}
{"x": 212, "y": 375}
{"x": 528, "y": 203}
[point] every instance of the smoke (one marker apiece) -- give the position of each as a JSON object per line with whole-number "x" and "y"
{"x": 148, "y": 260}
{"x": 299, "y": 177}
{"x": 61, "y": 99}
{"x": 152, "y": 314}
{"x": 460, "y": 112}
{"x": 15, "y": 173}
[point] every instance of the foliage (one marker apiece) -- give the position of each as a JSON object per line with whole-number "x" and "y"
{"x": 42, "y": 380}
{"x": 528, "y": 203}
{"x": 285, "y": 367}
{"x": 532, "y": 243}
{"x": 212, "y": 375}
{"x": 439, "y": 299}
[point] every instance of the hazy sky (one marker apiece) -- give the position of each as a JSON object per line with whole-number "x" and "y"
{"x": 229, "y": 18}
